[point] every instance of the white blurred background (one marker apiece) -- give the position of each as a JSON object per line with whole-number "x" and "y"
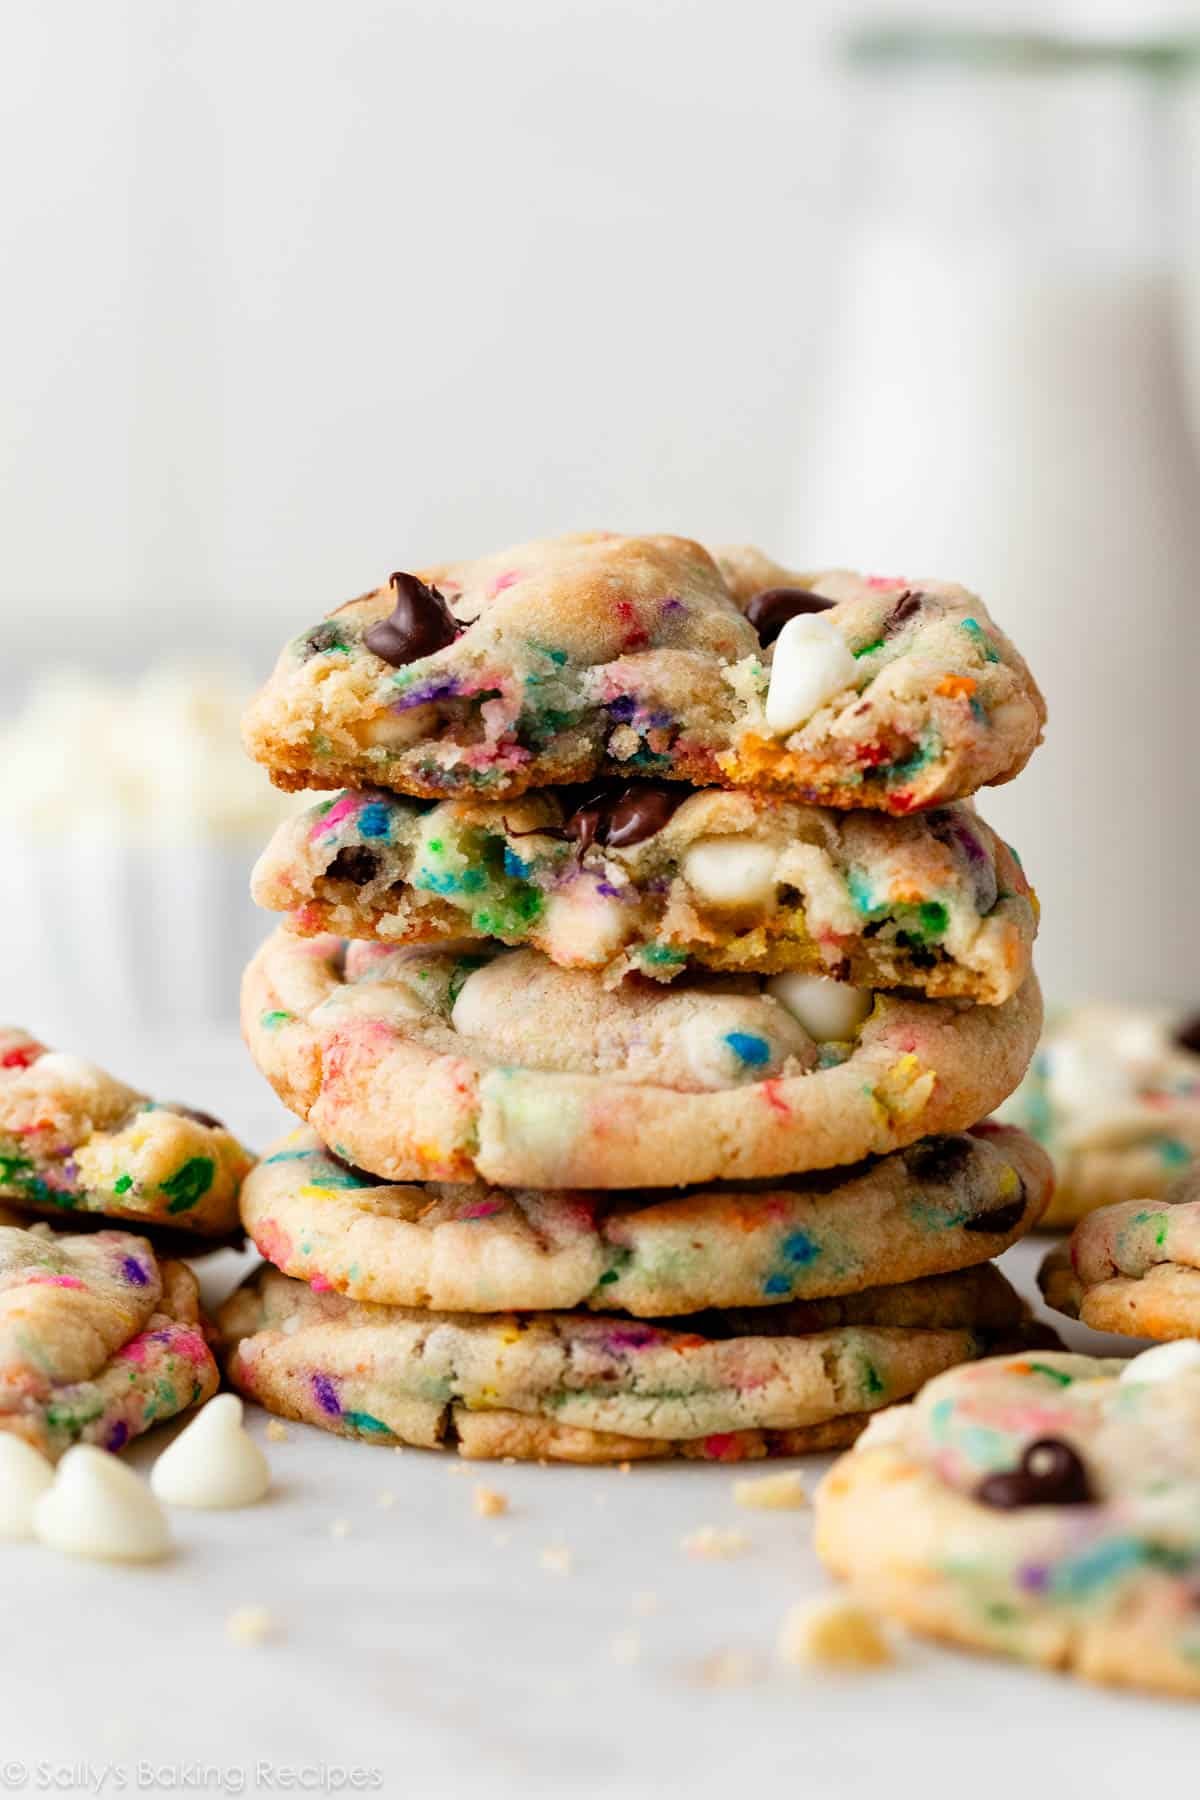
{"x": 300, "y": 291}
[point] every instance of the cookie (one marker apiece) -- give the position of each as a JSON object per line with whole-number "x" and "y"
{"x": 1046, "y": 1507}
{"x": 1133, "y": 1268}
{"x": 76, "y": 1141}
{"x": 653, "y": 877}
{"x": 99, "y": 1340}
{"x": 577, "y": 1387}
{"x": 426, "y": 1065}
{"x": 943, "y": 1204}
{"x": 1114, "y": 1095}
{"x": 595, "y": 654}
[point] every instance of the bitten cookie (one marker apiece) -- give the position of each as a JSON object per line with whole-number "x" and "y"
{"x": 98, "y": 1339}
{"x": 74, "y": 1140}
{"x": 599, "y": 654}
{"x": 654, "y": 877}
{"x": 426, "y": 1065}
{"x": 576, "y": 1387}
{"x": 1044, "y": 1506}
{"x": 943, "y": 1204}
{"x": 1114, "y": 1095}
{"x": 1133, "y": 1268}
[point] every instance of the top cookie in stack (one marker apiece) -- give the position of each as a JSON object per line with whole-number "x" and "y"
{"x": 656, "y": 869}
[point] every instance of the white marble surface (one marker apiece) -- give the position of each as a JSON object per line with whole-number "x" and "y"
{"x": 431, "y": 1646}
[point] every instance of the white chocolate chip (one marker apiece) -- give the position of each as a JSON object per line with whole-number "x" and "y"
{"x": 214, "y": 1462}
{"x": 396, "y": 730}
{"x": 712, "y": 1544}
{"x": 250, "y": 1625}
{"x": 833, "y": 1631}
{"x": 771, "y": 1493}
{"x": 98, "y": 1507}
{"x": 812, "y": 663}
{"x": 25, "y": 1474}
{"x": 473, "y": 1012}
{"x": 728, "y": 871}
{"x": 1164, "y": 1362}
{"x": 584, "y": 928}
{"x": 830, "y": 1011}
{"x": 71, "y": 1071}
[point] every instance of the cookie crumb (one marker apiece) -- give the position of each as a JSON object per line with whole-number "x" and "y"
{"x": 643, "y": 1603}
{"x": 556, "y": 1558}
{"x": 250, "y": 1625}
{"x": 625, "y": 1468}
{"x": 626, "y": 1647}
{"x": 713, "y": 1544}
{"x": 502, "y": 1539}
{"x": 385, "y": 1498}
{"x": 340, "y": 1528}
{"x": 835, "y": 1632}
{"x": 488, "y": 1502}
{"x": 397, "y": 1449}
{"x": 277, "y": 1431}
{"x": 771, "y": 1493}
{"x": 728, "y": 1668}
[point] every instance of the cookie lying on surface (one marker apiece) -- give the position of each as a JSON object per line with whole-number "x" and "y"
{"x": 1133, "y": 1268}
{"x": 1114, "y": 1095}
{"x": 1044, "y": 1506}
{"x": 577, "y": 1387}
{"x": 654, "y": 877}
{"x": 420, "y": 1064}
{"x": 598, "y": 654}
{"x": 98, "y": 1339}
{"x": 74, "y": 1140}
{"x": 943, "y": 1204}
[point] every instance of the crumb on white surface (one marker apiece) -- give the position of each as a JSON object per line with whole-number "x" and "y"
{"x": 728, "y": 1668}
{"x": 624, "y": 1468}
{"x": 712, "y": 1544}
{"x": 489, "y": 1502}
{"x": 384, "y": 1499}
{"x": 556, "y": 1558}
{"x": 250, "y": 1625}
{"x": 277, "y": 1431}
{"x": 833, "y": 1631}
{"x": 339, "y": 1528}
{"x": 643, "y": 1603}
{"x": 771, "y": 1493}
{"x": 626, "y": 1647}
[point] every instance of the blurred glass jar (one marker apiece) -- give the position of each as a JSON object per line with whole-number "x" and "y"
{"x": 1005, "y": 407}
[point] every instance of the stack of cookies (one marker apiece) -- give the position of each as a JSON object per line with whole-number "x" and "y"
{"x": 641, "y": 996}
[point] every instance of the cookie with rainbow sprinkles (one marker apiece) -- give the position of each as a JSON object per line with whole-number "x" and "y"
{"x": 1043, "y": 1506}
{"x": 657, "y": 878}
{"x": 581, "y": 1387}
{"x": 99, "y": 1339}
{"x": 944, "y": 1203}
{"x": 597, "y": 654}
{"x": 432, "y": 1065}
{"x": 77, "y": 1144}
{"x": 1133, "y": 1268}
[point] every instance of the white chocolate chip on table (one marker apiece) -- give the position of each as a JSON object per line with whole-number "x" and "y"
{"x": 214, "y": 1462}
{"x": 98, "y": 1507}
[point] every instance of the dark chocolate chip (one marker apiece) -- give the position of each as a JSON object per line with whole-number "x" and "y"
{"x": 1188, "y": 1035}
{"x": 907, "y": 607}
{"x": 1050, "y": 1473}
{"x": 771, "y": 608}
{"x": 1001, "y": 1219}
{"x": 199, "y": 1118}
{"x": 626, "y": 817}
{"x": 418, "y": 624}
{"x": 939, "y": 1159}
{"x": 355, "y": 863}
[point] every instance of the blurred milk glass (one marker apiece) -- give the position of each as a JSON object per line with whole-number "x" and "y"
{"x": 1005, "y": 408}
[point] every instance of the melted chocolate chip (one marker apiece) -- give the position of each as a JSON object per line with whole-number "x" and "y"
{"x": 1050, "y": 1473}
{"x": 1001, "y": 1218}
{"x": 625, "y": 818}
{"x": 198, "y": 1118}
{"x": 418, "y": 624}
{"x": 907, "y": 607}
{"x": 355, "y": 863}
{"x": 939, "y": 1159}
{"x": 1188, "y": 1035}
{"x": 771, "y": 608}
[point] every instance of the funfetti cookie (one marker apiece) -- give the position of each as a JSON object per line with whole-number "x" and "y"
{"x": 945, "y": 1203}
{"x": 1043, "y": 1506}
{"x": 1114, "y": 1095}
{"x": 99, "y": 1340}
{"x": 1134, "y": 1267}
{"x": 655, "y": 877}
{"x": 572, "y": 657}
{"x": 76, "y": 1142}
{"x": 428, "y": 1065}
{"x": 578, "y": 1387}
